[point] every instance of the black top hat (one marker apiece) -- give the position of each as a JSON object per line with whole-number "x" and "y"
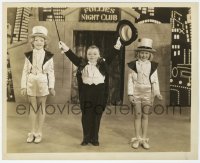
{"x": 127, "y": 32}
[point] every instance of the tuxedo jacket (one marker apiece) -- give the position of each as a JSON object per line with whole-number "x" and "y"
{"x": 153, "y": 78}
{"x": 47, "y": 68}
{"x": 102, "y": 65}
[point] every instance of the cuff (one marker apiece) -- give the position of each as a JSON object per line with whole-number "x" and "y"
{"x": 117, "y": 47}
{"x": 66, "y": 50}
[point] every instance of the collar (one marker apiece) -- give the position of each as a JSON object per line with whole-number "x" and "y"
{"x": 143, "y": 62}
{"x": 132, "y": 65}
{"x": 48, "y": 55}
{"x": 93, "y": 64}
{"x": 35, "y": 51}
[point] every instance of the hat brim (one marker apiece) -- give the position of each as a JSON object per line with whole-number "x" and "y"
{"x": 144, "y": 49}
{"x": 133, "y": 29}
{"x": 39, "y": 35}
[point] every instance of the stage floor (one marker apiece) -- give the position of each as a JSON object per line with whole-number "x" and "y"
{"x": 62, "y": 133}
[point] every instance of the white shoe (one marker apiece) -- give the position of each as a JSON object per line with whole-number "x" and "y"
{"x": 30, "y": 138}
{"x": 145, "y": 143}
{"x": 135, "y": 142}
{"x": 38, "y": 138}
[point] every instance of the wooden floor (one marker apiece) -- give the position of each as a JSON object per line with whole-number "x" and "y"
{"x": 62, "y": 133}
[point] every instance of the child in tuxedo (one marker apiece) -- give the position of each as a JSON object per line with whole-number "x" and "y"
{"x": 92, "y": 75}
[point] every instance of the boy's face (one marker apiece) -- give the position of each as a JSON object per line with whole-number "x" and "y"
{"x": 93, "y": 55}
{"x": 39, "y": 43}
{"x": 144, "y": 55}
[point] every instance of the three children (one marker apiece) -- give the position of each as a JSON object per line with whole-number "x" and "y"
{"x": 38, "y": 81}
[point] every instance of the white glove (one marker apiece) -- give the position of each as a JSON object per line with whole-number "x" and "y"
{"x": 63, "y": 46}
{"x": 118, "y": 44}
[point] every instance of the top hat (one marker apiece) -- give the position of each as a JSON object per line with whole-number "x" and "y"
{"x": 145, "y": 44}
{"x": 127, "y": 32}
{"x": 40, "y": 31}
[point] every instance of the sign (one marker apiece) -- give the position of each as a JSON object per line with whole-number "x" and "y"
{"x": 99, "y": 14}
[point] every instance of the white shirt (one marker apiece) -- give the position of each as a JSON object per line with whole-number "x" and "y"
{"x": 92, "y": 75}
{"x": 143, "y": 69}
{"x": 38, "y": 58}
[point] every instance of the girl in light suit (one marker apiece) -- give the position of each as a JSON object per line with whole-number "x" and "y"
{"x": 143, "y": 87}
{"x": 37, "y": 81}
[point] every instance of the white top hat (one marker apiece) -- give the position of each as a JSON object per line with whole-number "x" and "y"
{"x": 145, "y": 44}
{"x": 39, "y": 31}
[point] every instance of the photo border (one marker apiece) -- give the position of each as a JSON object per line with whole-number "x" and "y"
{"x": 112, "y": 155}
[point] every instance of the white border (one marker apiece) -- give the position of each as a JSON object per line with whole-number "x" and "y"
{"x": 194, "y": 67}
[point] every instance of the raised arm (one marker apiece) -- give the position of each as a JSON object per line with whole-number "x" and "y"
{"x": 115, "y": 51}
{"x": 68, "y": 52}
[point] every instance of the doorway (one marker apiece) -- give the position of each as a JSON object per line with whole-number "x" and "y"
{"x": 105, "y": 41}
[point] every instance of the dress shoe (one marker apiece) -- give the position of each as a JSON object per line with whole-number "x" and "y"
{"x": 38, "y": 138}
{"x": 30, "y": 138}
{"x": 145, "y": 143}
{"x": 135, "y": 142}
{"x": 84, "y": 143}
{"x": 94, "y": 143}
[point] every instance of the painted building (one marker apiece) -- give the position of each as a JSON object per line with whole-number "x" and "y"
{"x": 82, "y": 27}
{"x": 180, "y": 67}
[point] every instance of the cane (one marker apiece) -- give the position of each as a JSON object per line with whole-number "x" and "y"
{"x": 59, "y": 41}
{"x": 55, "y": 24}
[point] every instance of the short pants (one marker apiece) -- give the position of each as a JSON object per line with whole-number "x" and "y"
{"x": 37, "y": 85}
{"x": 142, "y": 93}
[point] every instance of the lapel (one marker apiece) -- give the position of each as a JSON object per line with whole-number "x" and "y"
{"x": 132, "y": 65}
{"x": 29, "y": 56}
{"x": 154, "y": 66}
{"x": 48, "y": 55}
{"x": 82, "y": 64}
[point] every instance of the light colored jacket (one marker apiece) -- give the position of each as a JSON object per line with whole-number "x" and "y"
{"x": 132, "y": 79}
{"x": 47, "y": 68}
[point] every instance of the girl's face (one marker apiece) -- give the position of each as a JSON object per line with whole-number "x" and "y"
{"x": 38, "y": 43}
{"x": 93, "y": 55}
{"x": 144, "y": 55}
